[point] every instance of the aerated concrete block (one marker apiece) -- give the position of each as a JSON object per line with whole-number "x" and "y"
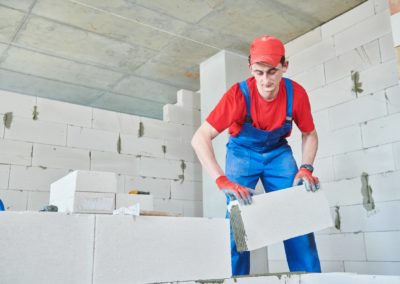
{"x": 46, "y": 247}
{"x": 160, "y": 249}
{"x": 85, "y": 192}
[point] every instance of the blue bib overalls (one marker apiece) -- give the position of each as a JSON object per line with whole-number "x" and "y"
{"x": 259, "y": 154}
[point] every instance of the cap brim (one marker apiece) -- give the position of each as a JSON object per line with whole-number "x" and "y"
{"x": 272, "y": 60}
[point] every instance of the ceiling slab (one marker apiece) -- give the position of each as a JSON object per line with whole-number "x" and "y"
{"x": 133, "y": 55}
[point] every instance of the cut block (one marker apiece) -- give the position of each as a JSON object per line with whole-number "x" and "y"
{"x": 160, "y": 249}
{"x": 88, "y": 181}
{"x": 278, "y": 216}
{"x": 126, "y": 200}
{"x": 46, "y": 247}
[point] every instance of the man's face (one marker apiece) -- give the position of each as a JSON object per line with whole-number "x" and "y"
{"x": 268, "y": 78}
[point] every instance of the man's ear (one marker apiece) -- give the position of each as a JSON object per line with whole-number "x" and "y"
{"x": 285, "y": 66}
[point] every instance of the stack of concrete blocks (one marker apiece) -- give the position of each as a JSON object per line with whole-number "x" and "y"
{"x": 358, "y": 160}
{"x": 43, "y": 140}
{"x": 93, "y": 192}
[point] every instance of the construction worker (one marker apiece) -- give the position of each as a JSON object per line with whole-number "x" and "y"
{"x": 259, "y": 113}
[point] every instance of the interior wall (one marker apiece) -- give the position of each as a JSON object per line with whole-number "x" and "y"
{"x": 348, "y": 67}
{"x": 41, "y": 140}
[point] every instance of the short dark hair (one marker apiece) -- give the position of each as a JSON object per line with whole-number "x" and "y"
{"x": 283, "y": 59}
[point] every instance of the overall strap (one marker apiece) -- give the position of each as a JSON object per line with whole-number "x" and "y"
{"x": 289, "y": 98}
{"x": 245, "y": 91}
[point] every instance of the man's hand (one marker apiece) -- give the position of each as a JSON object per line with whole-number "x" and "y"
{"x": 234, "y": 190}
{"x": 305, "y": 176}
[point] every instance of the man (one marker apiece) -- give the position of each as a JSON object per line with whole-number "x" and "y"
{"x": 259, "y": 114}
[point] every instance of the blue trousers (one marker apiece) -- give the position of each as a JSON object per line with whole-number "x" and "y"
{"x": 276, "y": 169}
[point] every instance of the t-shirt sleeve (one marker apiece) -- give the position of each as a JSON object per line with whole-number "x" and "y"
{"x": 302, "y": 110}
{"x": 230, "y": 109}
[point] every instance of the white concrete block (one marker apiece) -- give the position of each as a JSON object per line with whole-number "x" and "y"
{"x": 347, "y": 278}
{"x": 159, "y": 188}
{"x": 341, "y": 247}
{"x": 34, "y": 178}
{"x": 343, "y": 192}
{"x": 70, "y": 201}
{"x": 4, "y": 176}
{"x": 14, "y": 152}
{"x": 371, "y": 161}
{"x": 323, "y": 169}
{"x": 348, "y": 19}
{"x": 169, "y": 205}
{"x": 383, "y": 246}
{"x": 193, "y": 171}
{"x": 126, "y": 200}
{"x": 379, "y": 77}
{"x": 331, "y": 94}
{"x": 380, "y": 5}
{"x": 114, "y": 121}
{"x": 395, "y": 22}
{"x": 44, "y": 244}
{"x": 14, "y": 200}
{"x": 193, "y": 208}
{"x": 37, "y": 200}
{"x": 276, "y": 252}
{"x": 19, "y": 105}
{"x": 396, "y": 154}
{"x": 385, "y": 186}
{"x": 117, "y": 163}
{"x": 188, "y": 99}
{"x": 356, "y": 218}
{"x": 311, "y": 79}
{"x": 180, "y": 150}
{"x": 86, "y": 138}
{"x": 121, "y": 239}
{"x": 332, "y": 266}
{"x": 87, "y": 181}
{"x": 321, "y": 120}
{"x": 297, "y": 212}
{"x": 381, "y": 131}
{"x": 312, "y": 56}
{"x": 180, "y": 115}
{"x": 186, "y": 190}
{"x": 60, "y": 157}
{"x": 373, "y": 267}
{"x": 358, "y": 59}
{"x": 358, "y": 110}
{"x": 133, "y": 145}
{"x": 386, "y": 46}
{"x": 259, "y": 261}
{"x": 277, "y": 266}
{"x": 377, "y": 26}
{"x": 29, "y": 130}
{"x": 393, "y": 99}
{"x": 303, "y": 42}
{"x": 160, "y": 168}
{"x": 62, "y": 112}
{"x": 154, "y": 128}
{"x": 338, "y": 142}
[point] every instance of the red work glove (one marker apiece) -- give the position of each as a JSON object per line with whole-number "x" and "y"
{"x": 304, "y": 176}
{"x": 234, "y": 190}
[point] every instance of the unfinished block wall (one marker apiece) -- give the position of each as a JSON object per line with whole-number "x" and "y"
{"x": 348, "y": 67}
{"x": 42, "y": 140}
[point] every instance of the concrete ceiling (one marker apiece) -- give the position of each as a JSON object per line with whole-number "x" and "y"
{"x": 133, "y": 55}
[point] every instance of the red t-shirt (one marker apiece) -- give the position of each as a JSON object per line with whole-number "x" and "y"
{"x": 266, "y": 115}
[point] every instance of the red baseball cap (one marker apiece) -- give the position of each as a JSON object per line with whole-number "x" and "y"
{"x": 266, "y": 49}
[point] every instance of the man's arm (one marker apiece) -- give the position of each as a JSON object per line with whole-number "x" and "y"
{"x": 309, "y": 147}
{"x": 202, "y": 145}
{"x": 309, "y": 150}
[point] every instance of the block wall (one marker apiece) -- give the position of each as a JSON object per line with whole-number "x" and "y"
{"x": 348, "y": 67}
{"x": 42, "y": 140}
